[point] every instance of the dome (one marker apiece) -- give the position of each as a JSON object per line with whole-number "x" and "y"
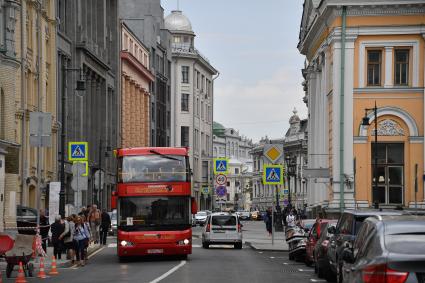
{"x": 177, "y": 22}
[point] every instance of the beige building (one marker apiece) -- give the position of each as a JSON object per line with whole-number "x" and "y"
{"x": 136, "y": 80}
{"x": 27, "y": 83}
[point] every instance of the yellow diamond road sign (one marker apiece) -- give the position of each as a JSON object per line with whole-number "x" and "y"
{"x": 273, "y": 152}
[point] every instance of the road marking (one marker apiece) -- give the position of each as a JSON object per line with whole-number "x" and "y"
{"x": 169, "y": 272}
{"x": 318, "y": 280}
{"x": 260, "y": 252}
{"x": 285, "y": 263}
{"x": 196, "y": 246}
{"x": 95, "y": 253}
{"x": 272, "y": 257}
{"x": 113, "y": 245}
{"x": 308, "y": 270}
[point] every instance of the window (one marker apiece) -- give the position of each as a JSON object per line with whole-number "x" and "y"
{"x": 202, "y": 83}
{"x": 185, "y": 74}
{"x": 236, "y": 171}
{"x": 401, "y": 68}
{"x": 374, "y": 58}
{"x": 185, "y": 102}
{"x": 184, "y": 136}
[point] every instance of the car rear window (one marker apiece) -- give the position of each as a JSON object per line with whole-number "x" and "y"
{"x": 224, "y": 220}
{"x": 406, "y": 243}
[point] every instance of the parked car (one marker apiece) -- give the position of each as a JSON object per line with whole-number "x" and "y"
{"x": 201, "y": 217}
{"x": 296, "y": 238}
{"x": 320, "y": 252}
{"x": 26, "y": 217}
{"x": 387, "y": 249}
{"x": 244, "y": 215}
{"x": 256, "y": 215}
{"x": 222, "y": 228}
{"x": 345, "y": 233}
{"x": 314, "y": 235}
{"x": 113, "y": 229}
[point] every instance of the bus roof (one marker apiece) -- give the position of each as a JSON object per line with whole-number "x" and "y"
{"x": 147, "y": 151}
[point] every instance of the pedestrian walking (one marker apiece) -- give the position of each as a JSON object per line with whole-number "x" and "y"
{"x": 57, "y": 228}
{"x": 88, "y": 239}
{"x": 94, "y": 219}
{"x": 104, "y": 226}
{"x": 80, "y": 237}
{"x": 68, "y": 238}
{"x": 268, "y": 221}
{"x": 290, "y": 219}
{"x": 44, "y": 229}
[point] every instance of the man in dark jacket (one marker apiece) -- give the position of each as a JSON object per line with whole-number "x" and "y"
{"x": 104, "y": 226}
{"x": 57, "y": 229}
{"x": 44, "y": 229}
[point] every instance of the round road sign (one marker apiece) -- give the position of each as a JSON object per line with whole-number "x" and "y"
{"x": 221, "y": 191}
{"x": 221, "y": 179}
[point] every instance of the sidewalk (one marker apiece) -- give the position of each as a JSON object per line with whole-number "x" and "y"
{"x": 61, "y": 263}
{"x": 256, "y": 236}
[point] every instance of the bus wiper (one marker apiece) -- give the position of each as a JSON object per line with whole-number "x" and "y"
{"x": 163, "y": 155}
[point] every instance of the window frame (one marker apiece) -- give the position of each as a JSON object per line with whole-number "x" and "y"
{"x": 380, "y": 64}
{"x": 185, "y": 74}
{"x": 184, "y": 102}
{"x": 395, "y": 65}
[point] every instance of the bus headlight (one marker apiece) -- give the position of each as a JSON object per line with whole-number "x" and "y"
{"x": 126, "y": 244}
{"x": 184, "y": 242}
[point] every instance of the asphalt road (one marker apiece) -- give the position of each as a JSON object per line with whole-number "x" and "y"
{"x": 217, "y": 264}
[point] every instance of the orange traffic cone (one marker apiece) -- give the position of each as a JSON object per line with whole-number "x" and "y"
{"x": 21, "y": 275}
{"x": 41, "y": 273}
{"x": 53, "y": 271}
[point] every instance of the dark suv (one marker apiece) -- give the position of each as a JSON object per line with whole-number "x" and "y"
{"x": 345, "y": 233}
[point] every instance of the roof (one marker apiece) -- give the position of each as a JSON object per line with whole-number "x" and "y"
{"x": 151, "y": 150}
{"x": 177, "y": 22}
{"x": 218, "y": 129}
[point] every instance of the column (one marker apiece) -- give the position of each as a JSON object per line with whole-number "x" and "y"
{"x": 388, "y": 66}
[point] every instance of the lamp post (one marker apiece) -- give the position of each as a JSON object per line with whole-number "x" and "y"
{"x": 81, "y": 87}
{"x": 365, "y": 122}
{"x": 289, "y": 174}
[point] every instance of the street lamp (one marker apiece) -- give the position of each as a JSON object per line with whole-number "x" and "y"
{"x": 81, "y": 86}
{"x": 365, "y": 122}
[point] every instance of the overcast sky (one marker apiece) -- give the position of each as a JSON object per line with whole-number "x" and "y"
{"x": 253, "y": 45}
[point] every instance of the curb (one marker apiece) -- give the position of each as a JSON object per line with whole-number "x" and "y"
{"x": 252, "y": 246}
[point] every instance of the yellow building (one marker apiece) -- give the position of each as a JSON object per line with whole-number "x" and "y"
{"x": 356, "y": 55}
{"x": 27, "y": 83}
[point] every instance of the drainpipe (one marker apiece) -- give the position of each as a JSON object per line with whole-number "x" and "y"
{"x": 342, "y": 113}
{"x": 23, "y": 105}
{"x": 212, "y": 138}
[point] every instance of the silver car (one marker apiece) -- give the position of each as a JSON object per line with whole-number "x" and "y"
{"x": 222, "y": 228}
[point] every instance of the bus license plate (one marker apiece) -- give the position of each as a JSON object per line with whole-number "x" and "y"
{"x": 155, "y": 251}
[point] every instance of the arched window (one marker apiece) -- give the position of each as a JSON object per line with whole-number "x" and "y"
{"x": 2, "y": 114}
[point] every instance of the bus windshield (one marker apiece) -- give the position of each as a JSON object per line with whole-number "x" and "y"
{"x": 153, "y": 168}
{"x": 154, "y": 213}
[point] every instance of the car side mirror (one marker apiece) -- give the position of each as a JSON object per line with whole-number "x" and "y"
{"x": 348, "y": 256}
{"x": 332, "y": 230}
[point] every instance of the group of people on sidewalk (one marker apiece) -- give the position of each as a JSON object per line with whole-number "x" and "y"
{"x": 74, "y": 234}
{"x": 290, "y": 216}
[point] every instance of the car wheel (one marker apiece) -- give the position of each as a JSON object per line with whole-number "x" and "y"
{"x": 238, "y": 246}
{"x": 205, "y": 245}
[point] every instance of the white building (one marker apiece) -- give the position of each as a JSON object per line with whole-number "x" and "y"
{"x": 227, "y": 143}
{"x": 192, "y": 103}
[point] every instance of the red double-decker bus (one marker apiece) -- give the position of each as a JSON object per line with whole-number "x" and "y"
{"x": 154, "y": 203}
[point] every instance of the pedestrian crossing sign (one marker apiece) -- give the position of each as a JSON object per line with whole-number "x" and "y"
{"x": 78, "y": 151}
{"x": 273, "y": 174}
{"x": 221, "y": 165}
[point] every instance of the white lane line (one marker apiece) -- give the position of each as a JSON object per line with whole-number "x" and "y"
{"x": 285, "y": 263}
{"x": 95, "y": 253}
{"x": 169, "y": 272}
{"x": 318, "y": 280}
{"x": 260, "y": 252}
{"x": 308, "y": 270}
{"x": 196, "y": 246}
{"x": 113, "y": 245}
{"x": 272, "y": 257}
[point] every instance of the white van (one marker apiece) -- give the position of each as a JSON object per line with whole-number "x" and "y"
{"x": 222, "y": 228}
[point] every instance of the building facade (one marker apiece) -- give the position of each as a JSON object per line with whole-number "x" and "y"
{"x": 227, "y": 143}
{"x": 146, "y": 20}
{"x": 358, "y": 54}
{"x": 27, "y": 84}
{"x": 136, "y": 80}
{"x": 192, "y": 103}
{"x": 87, "y": 50}
{"x": 296, "y": 159}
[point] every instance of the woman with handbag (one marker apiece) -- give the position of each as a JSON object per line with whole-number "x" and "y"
{"x": 80, "y": 237}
